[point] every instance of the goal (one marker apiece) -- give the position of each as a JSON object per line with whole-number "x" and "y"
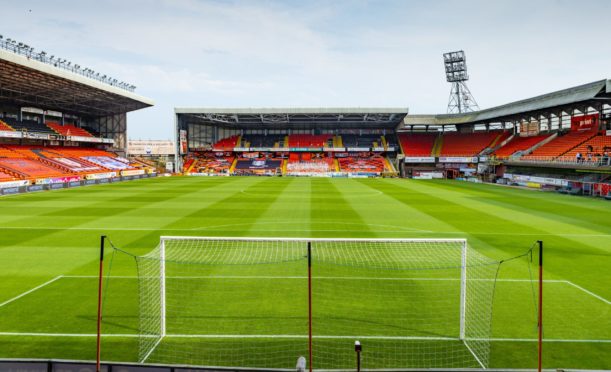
{"x": 265, "y": 302}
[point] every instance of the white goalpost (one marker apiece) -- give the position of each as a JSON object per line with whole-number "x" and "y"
{"x": 265, "y": 302}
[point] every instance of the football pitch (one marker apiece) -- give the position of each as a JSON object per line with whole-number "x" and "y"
{"x": 49, "y": 251}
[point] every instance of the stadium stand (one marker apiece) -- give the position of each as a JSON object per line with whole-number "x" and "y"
{"x": 389, "y": 140}
{"x": 30, "y": 162}
{"x": 30, "y": 168}
{"x": 417, "y": 144}
{"x": 262, "y": 141}
{"x": 76, "y": 151}
{"x": 68, "y": 130}
{"x": 6, "y": 152}
{"x": 92, "y": 131}
{"x": 29, "y": 126}
{"x": 258, "y": 166}
{"x": 188, "y": 163}
{"x": 5, "y": 127}
{"x": 305, "y": 164}
{"x": 209, "y": 163}
{"x": 596, "y": 146}
{"x": 310, "y": 140}
{"x": 519, "y": 144}
{"x": 17, "y": 151}
{"x": 364, "y": 165}
{"x": 353, "y": 140}
{"x": 468, "y": 144}
{"x": 562, "y": 144}
{"x": 227, "y": 144}
{"x": 5, "y": 177}
{"x": 73, "y": 165}
{"x": 108, "y": 162}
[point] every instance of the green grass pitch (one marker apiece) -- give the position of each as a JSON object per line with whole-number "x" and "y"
{"x": 49, "y": 248}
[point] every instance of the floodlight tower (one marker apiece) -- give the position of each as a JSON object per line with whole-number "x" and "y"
{"x": 461, "y": 99}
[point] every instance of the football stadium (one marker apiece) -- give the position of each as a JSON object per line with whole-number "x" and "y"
{"x": 301, "y": 238}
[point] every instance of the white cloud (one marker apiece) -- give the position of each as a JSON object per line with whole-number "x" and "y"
{"x": 267, "y": 53}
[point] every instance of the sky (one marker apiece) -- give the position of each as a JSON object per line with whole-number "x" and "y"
{"x": 190, "y": 53}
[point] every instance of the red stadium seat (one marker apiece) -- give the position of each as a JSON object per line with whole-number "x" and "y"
{"x": 68, "y": 130}
{"x": 227, "y": 144}
{"x": 309, "y": 140}
{"x": 467, "y": 144}
{"x": 417, "y": 144}
{"x": 6, "y": 127}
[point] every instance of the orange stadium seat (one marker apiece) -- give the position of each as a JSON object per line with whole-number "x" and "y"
{"x": 58, "y": 151}
{"x": 17, "y": 151}
{"x": 30, "y": 168}
{"x": 52, "y": 161}
{"x": 562, "y": 144}
{"x": 5, "y": 177}
{"x": 598, "y": 144}
{"x": 519, "y": 144}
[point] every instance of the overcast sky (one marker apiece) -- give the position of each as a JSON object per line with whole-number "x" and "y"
{"x": 318, "y": 53}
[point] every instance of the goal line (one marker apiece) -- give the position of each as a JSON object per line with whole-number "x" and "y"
{"x": 249, "y": 336}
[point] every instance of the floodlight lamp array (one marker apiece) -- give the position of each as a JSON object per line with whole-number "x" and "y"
{"x": 28, "y": 51}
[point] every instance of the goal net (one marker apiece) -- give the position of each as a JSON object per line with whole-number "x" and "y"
{"x": 263, "y": 303}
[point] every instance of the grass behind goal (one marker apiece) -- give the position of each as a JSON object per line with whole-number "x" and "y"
{"x": 412, "y": 303}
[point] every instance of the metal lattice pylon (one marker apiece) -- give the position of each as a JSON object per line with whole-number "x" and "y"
{"x": 461, "y": 100}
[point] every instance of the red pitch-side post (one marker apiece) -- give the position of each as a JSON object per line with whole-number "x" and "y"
{"x": 540, "y": 320}
{"x": 99, "y": 334}
{"x": 310, "y": 304}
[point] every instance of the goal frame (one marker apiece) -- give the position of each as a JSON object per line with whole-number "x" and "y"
{"x": 308, "y": 241}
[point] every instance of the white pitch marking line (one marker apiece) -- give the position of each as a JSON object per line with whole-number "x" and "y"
{"x": 474, "y": 355}
{"x": 151, "y": 351}
{"x": 305, "y": 277}
{"x": 219, "y": 336}
{"x": 545, "y": 340}
{"x": 320, "y": 277}
{"x": 44, "y": 334}
{"x": 31, "y": 290}
{"x": 588, "y": 292}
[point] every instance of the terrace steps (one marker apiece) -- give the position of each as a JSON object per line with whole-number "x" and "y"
{"x": 233, "y": 165}
{"x": 389, "y": 166}
{"x": 436, "y": 150}
{"x": 12, "y": 172}
{"x": 54, "y": 165}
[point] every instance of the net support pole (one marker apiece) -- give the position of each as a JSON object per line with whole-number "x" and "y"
{"x": 162, "y": 285}
{"x": 358, "y": 348}
{"x": 463, "y": 288}
{"x": 310, "y": 305}
{"x": 540, "y": 315}
{"x": 99, "y": 320}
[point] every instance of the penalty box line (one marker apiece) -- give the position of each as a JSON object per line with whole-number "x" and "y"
{"x": 347, "y": 278}
{"x": 328, "y": 337}
{"x": 298, "y": 277}
{"x": 31, "y": 290}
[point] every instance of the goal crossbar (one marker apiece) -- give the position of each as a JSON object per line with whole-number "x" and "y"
{"x": 305, "y": 240}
